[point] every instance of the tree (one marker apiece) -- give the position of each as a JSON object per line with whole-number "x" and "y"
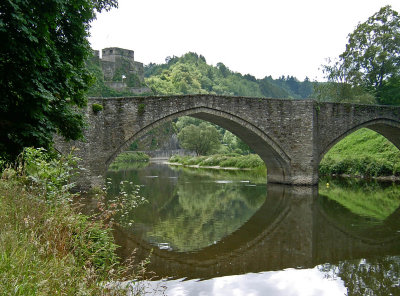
{"x": 201, "y": 139}
{"x": 372, "y": 55}
{"x": 43, "y": 77}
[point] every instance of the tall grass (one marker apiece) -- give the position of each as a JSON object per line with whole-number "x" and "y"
{"x": 46, "y": 247}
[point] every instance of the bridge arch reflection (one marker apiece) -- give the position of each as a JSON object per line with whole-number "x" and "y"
{"x": 290, "y": 230}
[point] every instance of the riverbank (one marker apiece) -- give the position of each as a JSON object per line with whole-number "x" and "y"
{"x": 220, "y": 161}
{"x": 363, "y": 154}
{"x": 196, "y": 166}
{"x": 47, "y": 247}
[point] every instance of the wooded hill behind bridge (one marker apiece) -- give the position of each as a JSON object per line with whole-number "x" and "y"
{"x": 190, "y": 74}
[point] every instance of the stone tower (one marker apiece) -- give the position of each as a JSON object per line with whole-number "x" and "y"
{"x": 121, "y": 71}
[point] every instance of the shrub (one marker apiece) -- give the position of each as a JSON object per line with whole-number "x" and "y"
{"x": 97, "y": 107}
{"x": 50, "y": 175}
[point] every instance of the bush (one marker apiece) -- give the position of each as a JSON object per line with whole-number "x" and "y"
{"x": 97, "y": 107}
{"x": 50, "y": 175}
{"x": 358, "y": 166}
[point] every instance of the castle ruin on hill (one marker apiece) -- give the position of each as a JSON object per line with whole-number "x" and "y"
{"x": 121, "y": 71}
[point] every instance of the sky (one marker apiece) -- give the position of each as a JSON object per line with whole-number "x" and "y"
{"x": 257, "y": 37}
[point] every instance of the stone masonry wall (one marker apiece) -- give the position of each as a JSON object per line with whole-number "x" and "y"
{"x": 289, "y": 135}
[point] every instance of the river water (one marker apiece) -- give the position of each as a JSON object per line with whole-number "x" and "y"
{"x": 213, "y": 232}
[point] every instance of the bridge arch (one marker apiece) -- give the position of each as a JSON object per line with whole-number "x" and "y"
{"x": 275, "y": 158}
{"x": 388, "y": 128}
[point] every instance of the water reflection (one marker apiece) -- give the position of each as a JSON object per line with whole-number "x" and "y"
{"x": 188, "y": 211}
{"x": 325, "y": 240}
{"x": 305, "y": 282}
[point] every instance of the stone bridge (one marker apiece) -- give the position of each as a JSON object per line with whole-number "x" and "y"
{"x": 291, "y": 136}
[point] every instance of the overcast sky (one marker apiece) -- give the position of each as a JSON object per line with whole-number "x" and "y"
{"x": 259, "y": 37}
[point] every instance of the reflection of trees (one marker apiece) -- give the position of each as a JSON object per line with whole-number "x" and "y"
{"x": 204, "y": 212}
{"x": 369, "y": 199}
{"x": 368, "y": 276}
{"x": 192, "y": 211}
{"x": 255, "y": 176}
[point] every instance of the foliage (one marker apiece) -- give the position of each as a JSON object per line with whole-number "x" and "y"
{"x": 97, "y": 107}
{"x": 193, "y": 211}
{"x": 43, "y": 48}
{"x": 52, "y": 249}
{"x": 371, "y": 61}
{"x": 50, "y": 175}
{"x": 376, "y": 201}
{"x": 363, "y": 153}
{"x": 222, "y": 160}
{"x": 129, "y": 157}
{"x": 190, "y": 74}
{"x": 229, "y": 142}
{"x": 141, "y": 109}
{"x": 98, "y": 88}
{"x": 342, "y": 92}
{"x": 202, "y": 139}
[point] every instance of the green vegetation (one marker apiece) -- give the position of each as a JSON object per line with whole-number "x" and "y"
{"x": 53, "y": 249}
{"x": 126, "y": 159}
{"x": 190, "y": 74}
{"x": 369, "y": 69}
{"x": 363, "y": 153}
{"x": 202, "y": 139}
{"x": 195, "y": 211}
{"x": 97, "y": 107}
{"x": 366, "y": 199}
{"x": 42, "y": 57}
{"x": 252, "y": 161}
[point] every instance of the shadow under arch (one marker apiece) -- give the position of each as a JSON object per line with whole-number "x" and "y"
{"x": 388, "y": 128}
{"x": 276, "y": 160}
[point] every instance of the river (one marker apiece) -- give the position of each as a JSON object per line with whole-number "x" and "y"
{"x": 214, "y": 232}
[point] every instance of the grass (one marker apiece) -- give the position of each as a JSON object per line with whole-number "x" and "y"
{"x": 48, "y": 249}
{"x": 363, "y": 153}
{"x": 252, "y": 161}
{"x": 364, "y": 199}
{"x": 126, "y": 159}
{"x": 46, "y": 246}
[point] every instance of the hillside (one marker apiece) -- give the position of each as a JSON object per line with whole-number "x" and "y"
{"x": 190, "y": 74}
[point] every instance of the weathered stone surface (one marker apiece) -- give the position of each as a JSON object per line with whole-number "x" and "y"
{"x": 291, "y": 136}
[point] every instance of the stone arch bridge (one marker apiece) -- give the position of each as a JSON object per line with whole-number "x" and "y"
{"x": 291, "y": 136}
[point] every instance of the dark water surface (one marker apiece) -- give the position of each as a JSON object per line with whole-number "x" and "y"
{"x": 229, "y": 233}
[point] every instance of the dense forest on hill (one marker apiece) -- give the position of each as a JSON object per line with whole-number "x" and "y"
{"x": 190, "y": 74}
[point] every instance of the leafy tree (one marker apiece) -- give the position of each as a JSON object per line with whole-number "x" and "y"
{"x": 371, "y": 60}
{"x": 202, "y": 139}
{"x": 43, "y": 77}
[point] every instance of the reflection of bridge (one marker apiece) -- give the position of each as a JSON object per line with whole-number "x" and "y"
{"x": 291, "y": 229}
{"x": 291, "y": 136}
